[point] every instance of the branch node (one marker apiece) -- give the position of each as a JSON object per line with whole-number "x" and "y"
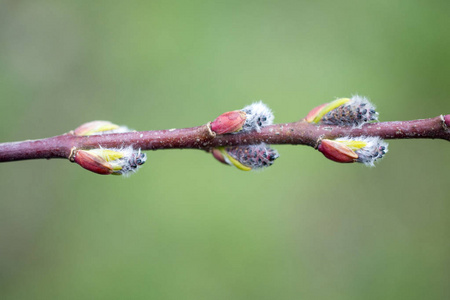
{"x": 319, "y": 140}
{"x": 72, "y": 154}
{"x": 211, "y": 133}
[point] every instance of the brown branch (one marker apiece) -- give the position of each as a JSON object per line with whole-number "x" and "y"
{"x": 201, "y": 137}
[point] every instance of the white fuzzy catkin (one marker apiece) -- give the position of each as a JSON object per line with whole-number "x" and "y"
{"x": 132, "y": 161}
{"x": 258, "y": 115}
{"x": 255, "y": 157}
{"x": 356, "y": 112}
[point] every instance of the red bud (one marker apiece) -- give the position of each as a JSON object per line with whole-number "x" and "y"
{"x": 95, "y": 127}
{"x": 337, "y": 151}
{"x": 229, "y": 122}
{"x": 218, "y": 155}
{"x": 447, "y": 120}
{"x": 93, "y": 162}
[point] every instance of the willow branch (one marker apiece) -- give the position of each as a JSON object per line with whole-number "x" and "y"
{"x": 201, "y": 137}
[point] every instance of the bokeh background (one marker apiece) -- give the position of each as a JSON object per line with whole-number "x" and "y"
{"x": 185, "y": 226}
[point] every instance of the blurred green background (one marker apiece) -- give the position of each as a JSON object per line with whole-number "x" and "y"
{"x": 185, "y": 226}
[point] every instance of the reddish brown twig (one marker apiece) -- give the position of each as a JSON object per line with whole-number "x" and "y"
{"x": 201, "y": 137}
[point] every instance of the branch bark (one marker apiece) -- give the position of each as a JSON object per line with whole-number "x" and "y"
{"x": 201, "y": 137}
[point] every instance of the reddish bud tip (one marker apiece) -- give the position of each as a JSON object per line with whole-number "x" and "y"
{"x": 314, "y": 112}
{"x": 337, "y": 151}
{"x": 229, "y": 122}
{"x": 93, "y": 162}
{"x": 218, "y": 155}
{"x": 447, "y": 120}
{"x": 95, "y": 127}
